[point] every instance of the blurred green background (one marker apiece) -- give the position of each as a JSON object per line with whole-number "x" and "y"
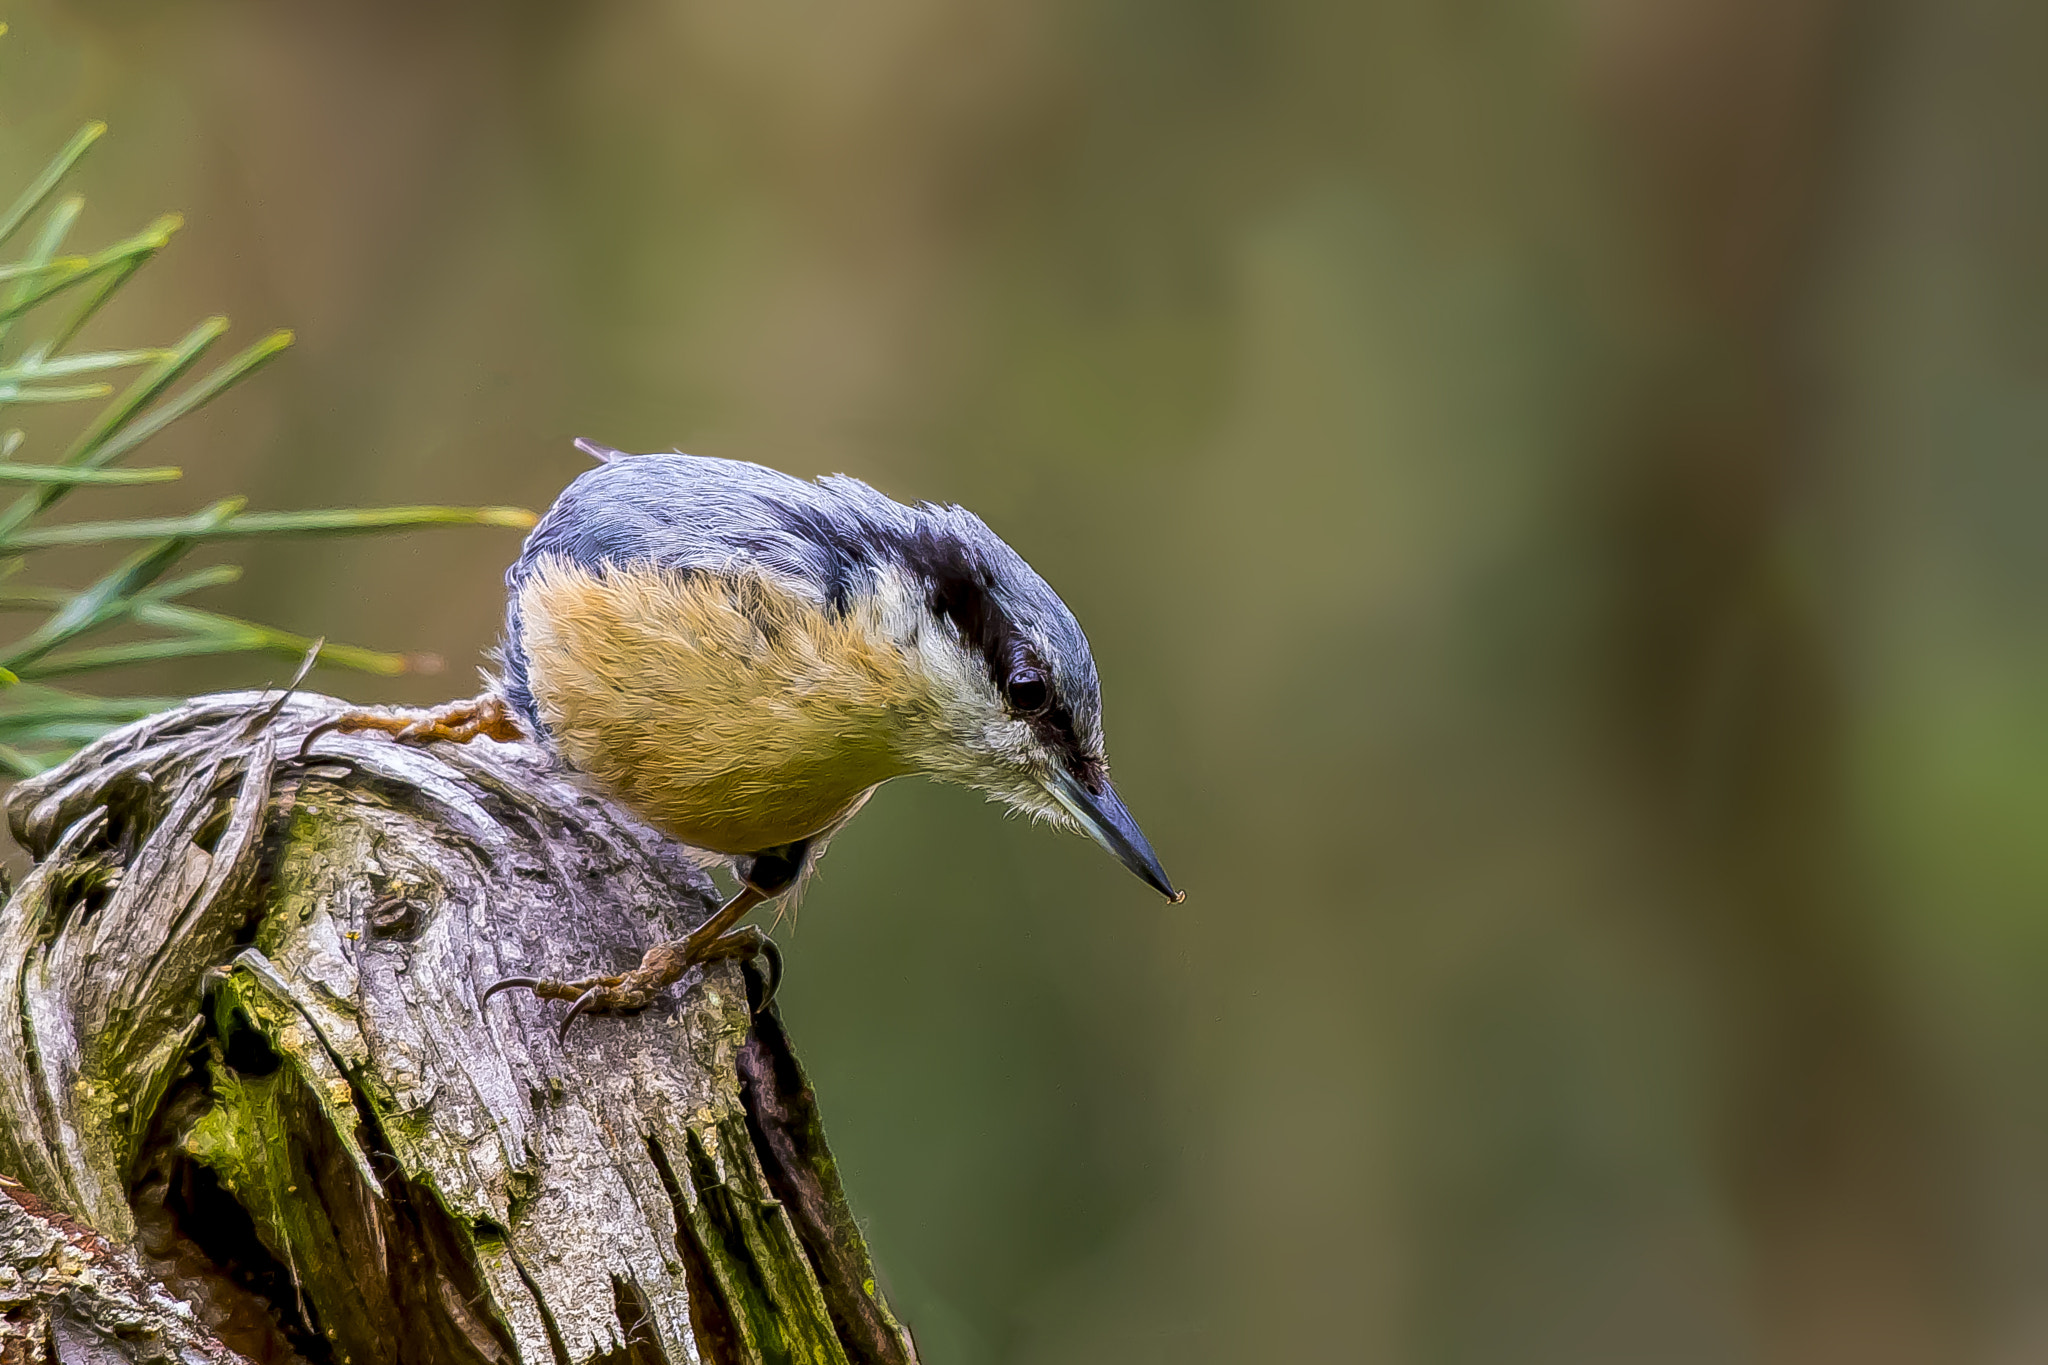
{"x": 1557, "y": 491}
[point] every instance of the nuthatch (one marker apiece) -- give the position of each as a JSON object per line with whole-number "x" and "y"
{"x": 741, "y": 657}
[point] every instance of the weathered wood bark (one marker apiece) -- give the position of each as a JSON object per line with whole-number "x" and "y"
{"x": 240, "y": 1035}
{"x": 66, "y": 1295}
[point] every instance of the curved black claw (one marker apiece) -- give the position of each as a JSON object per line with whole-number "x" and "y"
{"x": 762, "y": 985}
{"x": 585, "y": 1002}
{"x": 313, "y": 736}
{"x": 506, "y": 984}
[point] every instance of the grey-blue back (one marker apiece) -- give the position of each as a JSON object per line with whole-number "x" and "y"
{"x": 693, "y": 514}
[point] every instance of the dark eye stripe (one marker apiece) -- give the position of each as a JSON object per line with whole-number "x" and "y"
{"x": 960, "y": 594}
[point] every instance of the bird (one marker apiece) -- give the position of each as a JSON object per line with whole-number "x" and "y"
{"x": 740, "y": 657}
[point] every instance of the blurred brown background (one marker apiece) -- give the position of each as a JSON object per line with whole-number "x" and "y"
{"x": 1557, "y": 491}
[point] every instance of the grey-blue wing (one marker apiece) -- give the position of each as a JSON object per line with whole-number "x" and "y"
{"x": 692, "y": 514}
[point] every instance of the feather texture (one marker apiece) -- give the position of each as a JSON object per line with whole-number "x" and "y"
{"x": 731, "y": 709}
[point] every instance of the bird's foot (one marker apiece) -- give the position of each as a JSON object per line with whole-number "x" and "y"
{"x": 625, "y": 993}
{"x": 458, "y": 722}
{"x": 661, "y": 967}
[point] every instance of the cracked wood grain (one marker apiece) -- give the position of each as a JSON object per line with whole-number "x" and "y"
{"x": 240, "y": 1034}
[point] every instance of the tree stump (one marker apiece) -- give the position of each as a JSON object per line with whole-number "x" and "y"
{"x": 240, "y": 1038}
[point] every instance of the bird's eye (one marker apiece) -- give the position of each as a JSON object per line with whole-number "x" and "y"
{"x": 1026, "y": 692}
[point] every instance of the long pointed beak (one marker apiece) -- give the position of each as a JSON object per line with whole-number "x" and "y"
{"x": 1110, "y": 825}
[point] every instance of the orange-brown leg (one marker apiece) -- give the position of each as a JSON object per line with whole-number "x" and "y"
{"x": 458, "y": 722}
{"x": 660, "y": 967}
{"x": 763, "y": 876}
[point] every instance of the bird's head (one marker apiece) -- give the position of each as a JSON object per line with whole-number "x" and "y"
{"x": 1018, "y": 711}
